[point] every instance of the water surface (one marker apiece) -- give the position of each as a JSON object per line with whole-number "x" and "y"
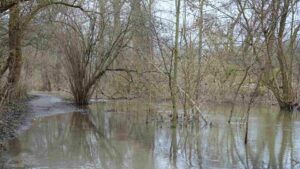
{"x": 116, "y": 136}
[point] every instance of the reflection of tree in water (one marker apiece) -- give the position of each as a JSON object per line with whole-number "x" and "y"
{"x": 81, "y": 134}
{"x": 286, "y": 147}
{"x": 173, "y": 148}
{"x": 278, "y": 139}
{"x": 68, "y": 140}
{"x": 271, "y": 143}
{"x": 133, "y": 139}
{"x": 11, "y": 154}
{"x": 266, "y": 130}
{"x": 89, "y": 141}
{"x": 99, "y": 139}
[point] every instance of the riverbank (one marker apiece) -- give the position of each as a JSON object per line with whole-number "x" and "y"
{"x": 15, "y": 115}
{"x": 12, "y": 117}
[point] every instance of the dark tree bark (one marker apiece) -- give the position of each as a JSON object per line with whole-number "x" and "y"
{"x": 15, "y": 52}
{"x": 7, "y": 4}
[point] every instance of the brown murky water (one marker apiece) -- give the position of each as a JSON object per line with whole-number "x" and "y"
{"x": 115, "y": 136}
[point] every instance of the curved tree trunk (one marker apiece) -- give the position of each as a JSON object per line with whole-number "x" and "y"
{"x": 15, "y": 51}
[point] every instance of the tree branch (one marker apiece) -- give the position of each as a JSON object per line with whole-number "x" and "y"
{"x": 7, "y": 4}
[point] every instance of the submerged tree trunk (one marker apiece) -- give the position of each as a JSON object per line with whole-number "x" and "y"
{"x": 81, "y": 97}
{"x": 286, "y": 106}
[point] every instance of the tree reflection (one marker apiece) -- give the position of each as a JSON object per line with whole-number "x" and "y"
{"x": 286, "y": 146}
{"x": 111, "y": 140}
{"x": 173, "y": 148}
{"x": 11, "y": 157}
{"x": 272, "y": 142}
{"x": 89, "y": 141}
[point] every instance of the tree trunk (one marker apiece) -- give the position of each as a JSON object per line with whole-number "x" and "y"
{"x": 175, "y": 68}
{"x": 286, "y": 106}
{"x": 282, "y": 89}
{"x": 46, "y": 81}
{"x": 117, "y": 15}
{"x": 15, "y": 50}
{"x": 8, "y": 4}
{"x": 200, "y": 49}
{"x": 81, "y": 97}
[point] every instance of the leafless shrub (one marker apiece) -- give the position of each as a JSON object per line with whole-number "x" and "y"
{"x": 89, "y": 49}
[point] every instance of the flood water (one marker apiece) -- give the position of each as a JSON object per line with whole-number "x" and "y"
{"x": 115, "y": 136}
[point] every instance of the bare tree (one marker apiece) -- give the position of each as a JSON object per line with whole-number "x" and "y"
{"x": 175, "y": 66}
{"x": 20, "y": 15}
{"x": 88, "y": 52}
{"x": 273, "y": 39}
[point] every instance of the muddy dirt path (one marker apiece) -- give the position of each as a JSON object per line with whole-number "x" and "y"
{"x": 48, "y": 105}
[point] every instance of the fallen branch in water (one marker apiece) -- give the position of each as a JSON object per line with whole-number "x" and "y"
{"x": 193, "y": 103}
